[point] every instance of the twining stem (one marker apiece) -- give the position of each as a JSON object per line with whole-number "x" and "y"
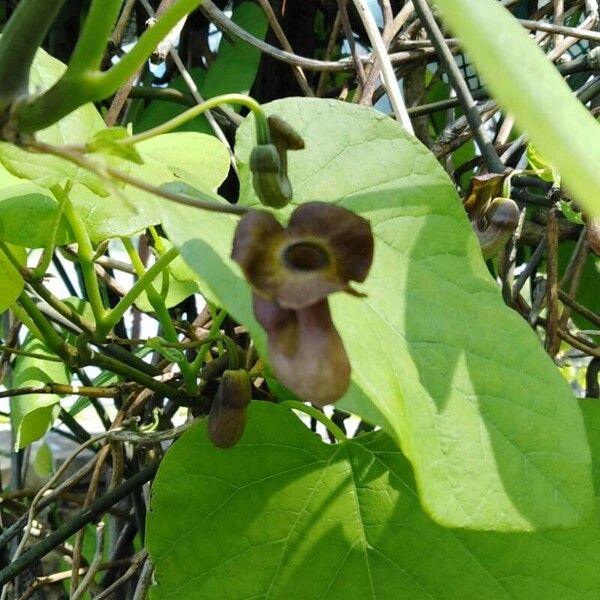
{"x": 160, "y": 308}
{"x": 115, "y": 315}
{"x": 79, "y": 521}
{"x": 22, "y": 315}
{"x": 62, "y": 389}
{"x": 35, "y": 355}
{"x": 91, "y": 44}
{"x": 106, "y": 171}
{"x": 59, "y": 306}
{"x": 131, "y": 374}
{"x": 61, "y": 196}
{"x": 259, "y": 115}
{"x": 215, "y": 327}
{"x": 160, "y": 249}
{"x": 337, "y": 433}
{"x": 85, "y": 252}
{"x": 21, "y": 38}
{"x": 75, "y": 88}
{"x": 50, "y": 336}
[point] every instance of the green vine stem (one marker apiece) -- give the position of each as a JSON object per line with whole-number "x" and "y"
{"x": 160, "y": 308}
{"x": 21, "y": 38}
{"x": 106, "y": 171}
{"x": 91, "y": 44}
{"x": 61, "y": 196}
{"x": 62, "y": 308}
{"x": 85, "y": 252}
{"x": 78, "y": 87}
{"x": 35, "y": 355}
{"x": 114, "y": 315}
{"x": 262, "y": 126}
{"x": 22, "y": 315}
{"x": 50, "y": 336}
{"x": 337, "y": 433}
{"x": 160, "y": 249}
{"x": 58, "y": 305}
{"x": 131, "y": 374}
{"x": 214, "y": 329}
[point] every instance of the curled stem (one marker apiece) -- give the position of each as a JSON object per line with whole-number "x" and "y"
{"x": 107, "y": 172}
{"x": 259, "y": 115}
{"x": 337, "y": 433}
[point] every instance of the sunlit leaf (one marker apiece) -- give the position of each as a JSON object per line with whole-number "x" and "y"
{"x": 439, "y": 361}
{"x": 283, "y": 515}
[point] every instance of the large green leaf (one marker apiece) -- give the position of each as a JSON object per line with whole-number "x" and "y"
{"x": 11, "y": 282}
{"x": 232, "y": 71}
{"x": 283, "y": 515}
{"x": 33, "y": 414}
{"x": 457, "y": 378}
{"x": 532, "y": 90}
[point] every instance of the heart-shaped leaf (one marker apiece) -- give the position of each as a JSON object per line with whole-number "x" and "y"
{"x": 283, "y": 515}
{"x": 456, "y": 377}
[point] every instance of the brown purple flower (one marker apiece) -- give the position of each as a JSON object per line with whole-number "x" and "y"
{"x": 493, "y": 218}
{"x": 292, "y": 270}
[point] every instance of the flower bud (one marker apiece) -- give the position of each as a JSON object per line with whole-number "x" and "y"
{"x": 496, "y": 225}
{"x": 268, "y": 163}
{"x": 227, "y": 416}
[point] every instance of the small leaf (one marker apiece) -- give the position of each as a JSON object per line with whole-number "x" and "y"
{"x": 32, "y": 414}
{"x": 571, "y": 214}
{"x": 542, "y": 167}
{"x": 172, "y": 354}
{"x": 43, "y": 462}
{"x": 106, "y": 141}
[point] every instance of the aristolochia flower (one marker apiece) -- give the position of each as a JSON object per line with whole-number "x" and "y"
{"x": 493, "y": 218}
{"x": 292, "y": 270}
